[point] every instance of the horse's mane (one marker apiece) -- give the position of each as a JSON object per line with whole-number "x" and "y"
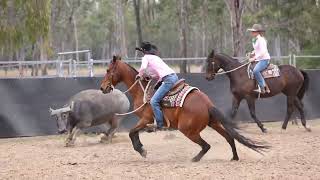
{"x": 227, "y": 57}
{"x": 134, "y": 69}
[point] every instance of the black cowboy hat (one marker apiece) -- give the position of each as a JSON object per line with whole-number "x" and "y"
{"x": 148, "y": 48}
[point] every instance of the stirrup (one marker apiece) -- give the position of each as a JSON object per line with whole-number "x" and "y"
{"x": 260, "y": 90}
{"x": 154, "y": 128}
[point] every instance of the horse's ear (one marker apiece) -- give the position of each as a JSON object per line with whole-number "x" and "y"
{"x": 119, "y": 58}
{"x": 114, "y": 58}
{"x": 211, "y": 55}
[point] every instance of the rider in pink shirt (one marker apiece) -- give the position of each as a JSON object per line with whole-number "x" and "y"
{"x": 155, "y": 67}
{"x": 152, "y": 65}
{"x": 261, "y": 55}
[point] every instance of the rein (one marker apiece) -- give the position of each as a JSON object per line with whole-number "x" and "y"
{"x": 226, "y": 72}
{"x": 144, "y": 97}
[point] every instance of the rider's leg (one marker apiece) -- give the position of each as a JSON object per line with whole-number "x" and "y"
{"x": 168, "y": 82}
{"x": 261, "y": 65}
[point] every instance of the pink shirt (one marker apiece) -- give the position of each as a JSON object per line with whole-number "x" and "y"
{"x": 260, "y": 49}
{"x": 154, "y": 66}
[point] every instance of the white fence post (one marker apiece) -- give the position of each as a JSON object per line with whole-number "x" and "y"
{"x": 74, "y": 69}
{"x": 90, "y": 67}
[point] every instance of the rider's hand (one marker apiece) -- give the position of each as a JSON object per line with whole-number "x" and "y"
{"x": 252, "y": 59}
{"x": 138, "y": 77}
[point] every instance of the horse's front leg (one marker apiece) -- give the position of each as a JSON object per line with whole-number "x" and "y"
{"x": 134, "y": 136}
{"x": 252, "y": 108}
{"x": 235, "y": 106}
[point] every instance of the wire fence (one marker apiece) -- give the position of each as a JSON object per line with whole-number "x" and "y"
{"x": 96, "y": 68}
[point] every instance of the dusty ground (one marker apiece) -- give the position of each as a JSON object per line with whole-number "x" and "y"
{"x": 295, "y": 154}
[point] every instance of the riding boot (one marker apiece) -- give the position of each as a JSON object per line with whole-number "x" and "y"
{"x": 267, "y": 89}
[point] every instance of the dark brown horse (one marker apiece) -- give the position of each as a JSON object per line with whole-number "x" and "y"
{"x": 197, "y": 112}
{"x": 292, "y": 82}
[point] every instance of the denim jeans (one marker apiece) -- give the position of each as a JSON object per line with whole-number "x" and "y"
{"x": 167, "y": 83}
{"x": 260, "y": 66}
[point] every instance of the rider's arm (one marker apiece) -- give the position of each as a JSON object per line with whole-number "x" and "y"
{"x": 144, "y": 65}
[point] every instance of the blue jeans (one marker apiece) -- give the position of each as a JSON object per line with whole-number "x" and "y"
{"x": 260, "y": 66}
{"x": 167, "y": 83}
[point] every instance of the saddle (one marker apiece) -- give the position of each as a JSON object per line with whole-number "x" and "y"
{"x": 175, "y": 97}
{"x": 270, "y": 72}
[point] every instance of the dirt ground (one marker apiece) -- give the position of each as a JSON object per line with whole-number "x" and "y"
{"x": 295, "y": 154}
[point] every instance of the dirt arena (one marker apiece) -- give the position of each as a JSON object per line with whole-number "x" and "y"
{"x": 295, "y": 154}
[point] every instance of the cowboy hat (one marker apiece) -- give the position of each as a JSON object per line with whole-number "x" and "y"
{"x": 256, "y": 28}
{"x": 148, "y": 48}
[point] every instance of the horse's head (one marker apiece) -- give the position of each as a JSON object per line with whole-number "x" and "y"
{"x": 213, "y": 66}
{"x": 112, "y": 77}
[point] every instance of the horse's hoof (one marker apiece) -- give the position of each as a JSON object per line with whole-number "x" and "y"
{"x": 235, "y": 159}
{"x": 264, "y": 130}
{"x": 195, "y": 159}
{"x": 143, "y": 153}
{"x": 308, "y": 129}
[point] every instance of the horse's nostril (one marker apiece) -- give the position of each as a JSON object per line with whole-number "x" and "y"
{"x": 101, "y": 89}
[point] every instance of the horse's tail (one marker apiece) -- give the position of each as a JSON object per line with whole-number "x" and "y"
{"x": 304, "y": 86}
{"x": 231, "y": 127}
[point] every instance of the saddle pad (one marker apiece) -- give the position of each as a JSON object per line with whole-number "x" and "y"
{"x": 271, "y": 71}
{"x": 177, "y": 99}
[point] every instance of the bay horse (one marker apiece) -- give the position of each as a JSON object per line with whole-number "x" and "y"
{"x": 292, "y": 82}
{"x": 197, "y": 112}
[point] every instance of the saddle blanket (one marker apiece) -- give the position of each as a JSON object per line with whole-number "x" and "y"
{"x": 177, "y": 99}
{"x": 271, "y": 71}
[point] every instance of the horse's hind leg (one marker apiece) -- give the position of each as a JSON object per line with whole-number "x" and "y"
{"x": 195, "y": 137}
{"x": 252, "y": 108}
{"x": 299, "y": 106}
{"x": 218, "y": 127}
{"x": 290, "y": 108}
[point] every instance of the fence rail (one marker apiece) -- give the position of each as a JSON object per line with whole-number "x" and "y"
{"x": 90, "y": 67}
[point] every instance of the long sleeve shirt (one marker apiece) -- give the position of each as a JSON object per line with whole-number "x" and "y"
{"x": 154, "y": 66}
{"x": 260, "y": 49}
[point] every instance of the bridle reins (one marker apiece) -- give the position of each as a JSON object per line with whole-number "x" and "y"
{"x": 226, "y": 72}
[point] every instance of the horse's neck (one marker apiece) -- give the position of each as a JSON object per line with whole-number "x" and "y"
{"x": 229, "y": 65}
{"x": 129, "y": 79}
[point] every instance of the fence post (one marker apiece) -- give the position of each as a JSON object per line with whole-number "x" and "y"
{"x": 90, "y": 67}
{"x": 70, "y": 67}
{"x": 74, "y": 69}
{"x": 290, "y": 59}
{"x": 294, "y": 60}
{"x": 60, "y": 69}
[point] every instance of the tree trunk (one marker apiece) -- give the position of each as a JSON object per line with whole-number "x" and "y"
{"x": 236, "y": 8}
{"x": 120, "y": 44}
{"x": 136, "y": 4}
{"x": 75, "y": 31}
{"x": 204, "y": 22}
{"x": 277, "y": 47}
{"x": 183, "y": 31}
{"x": 43, "y": 55}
